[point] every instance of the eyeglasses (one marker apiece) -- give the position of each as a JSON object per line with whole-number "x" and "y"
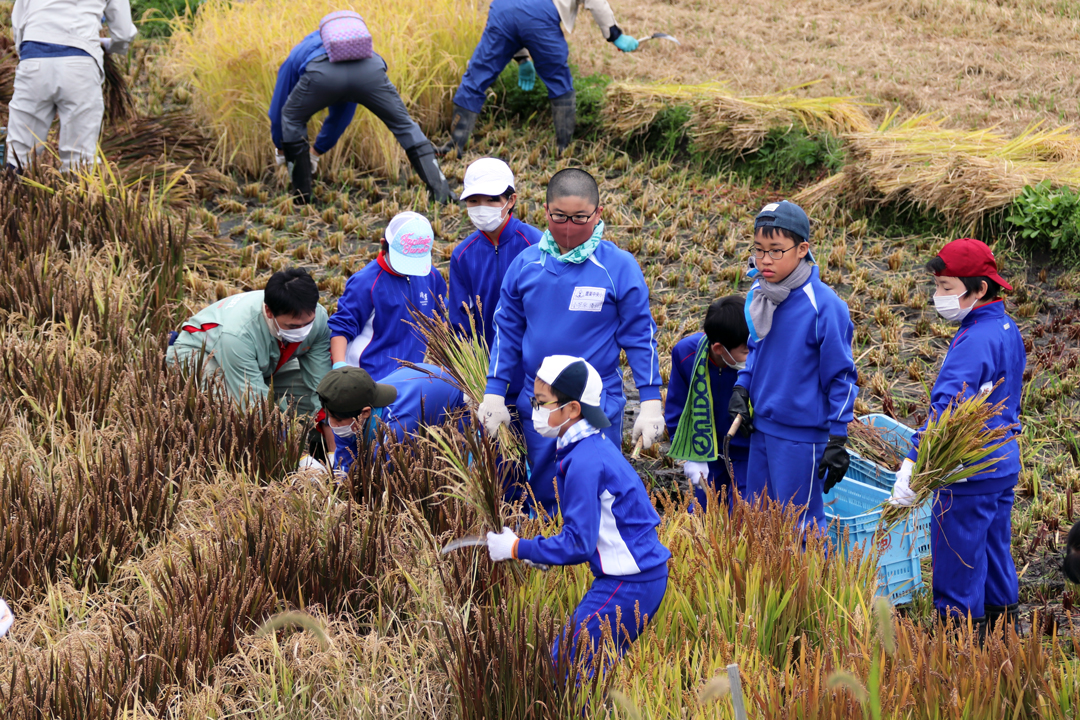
{"x": 559, "y": 218}
{"x": 774, "y": 254}
{"x": 536, "y": 404}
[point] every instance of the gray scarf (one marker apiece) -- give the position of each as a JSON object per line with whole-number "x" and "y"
{"x": 768, "y": 295}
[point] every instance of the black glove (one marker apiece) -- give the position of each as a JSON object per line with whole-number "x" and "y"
{"x": 835, "y": 461}
{"x": 739, "y": 406}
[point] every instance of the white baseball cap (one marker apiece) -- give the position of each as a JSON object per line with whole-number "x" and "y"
{"x": 575, "y": 377}
{"x": 487, "y": 176}
{"x": 410, "y": 238}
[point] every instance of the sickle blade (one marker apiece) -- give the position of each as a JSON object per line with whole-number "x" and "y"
{"x": 471, "y": 541}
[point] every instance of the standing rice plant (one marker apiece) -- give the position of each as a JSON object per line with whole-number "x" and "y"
{"x": 229, "y": 54}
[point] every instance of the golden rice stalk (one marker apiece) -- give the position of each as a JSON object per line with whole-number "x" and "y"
{"x": 229, "y": 53}
{"x": 953, "y": 447}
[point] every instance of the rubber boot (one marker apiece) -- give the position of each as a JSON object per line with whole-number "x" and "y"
{"x": 422, "y": 158}
{"x": 298, "y": 160}
{"x": 1009, "y": 614}
{"x": 461, "y": 127}
{"x": 564, "y": 114}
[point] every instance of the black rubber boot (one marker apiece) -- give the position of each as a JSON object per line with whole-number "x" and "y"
{"x": 298, "y": 159}
{"x": 422, "y": 158}
{"x": 461, "y": 127}
{"x": 564, "y": 114}
{"x": 997, "y": 614}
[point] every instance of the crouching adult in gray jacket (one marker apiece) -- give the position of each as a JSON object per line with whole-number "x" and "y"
{"x": 60, "y": 72}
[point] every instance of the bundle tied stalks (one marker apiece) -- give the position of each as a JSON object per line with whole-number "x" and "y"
{"x": 721, "y": 121}
{"x": 464, "y": 357}
{"x": 871, "y": 443}
{"x": 953, "y": 447}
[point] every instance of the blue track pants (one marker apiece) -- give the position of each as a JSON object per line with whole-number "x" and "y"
{"x": 787, "y": 471}
{"x": 718, "y": 478}
{"x": 971, "y": 546}
{"x": 512, "y": 25}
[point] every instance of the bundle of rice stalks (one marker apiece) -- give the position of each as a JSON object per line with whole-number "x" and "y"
{"x": 963, "y": 175}
{"x": 953, "y": 447}
{"x": 724, "y": 122}
{"x": 870, "y": 442}
{"x": 230, "y": 53}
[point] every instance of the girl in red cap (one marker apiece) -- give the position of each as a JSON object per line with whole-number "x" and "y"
{"x": 971, "y": 532}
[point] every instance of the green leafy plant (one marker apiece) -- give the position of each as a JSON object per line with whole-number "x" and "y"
{"x": 1048, "y": 217}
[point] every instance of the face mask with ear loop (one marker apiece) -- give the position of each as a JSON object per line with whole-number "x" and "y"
{"x": 540, "y": 418}
{"x": 948, "y": 306}
{"x": 730, "y": 360}
{"x": 296, "y": 335}
{"x": 486, "y": 218}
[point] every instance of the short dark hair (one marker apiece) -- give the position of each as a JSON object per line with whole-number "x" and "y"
{"x": 971, "y": 284}
{"x": 573, "y": 182}
{"x": 560, "y": 397}
{"x": 725, "y": 322}
{"x": 291, "y": 292}
{"x": 769, "y": 232}
{"x": 1071, "y": 563}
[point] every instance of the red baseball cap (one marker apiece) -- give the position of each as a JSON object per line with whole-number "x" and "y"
{"x": 968, "y": 257}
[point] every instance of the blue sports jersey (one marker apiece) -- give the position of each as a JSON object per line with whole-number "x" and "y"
{"x": 721, "y": 381}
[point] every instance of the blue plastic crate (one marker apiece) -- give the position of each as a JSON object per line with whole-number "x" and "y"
{"x": 854, "y": 507}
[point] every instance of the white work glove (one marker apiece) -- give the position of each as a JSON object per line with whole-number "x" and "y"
{"x": 501, "y": 546}
{"x": 696, "y": 472}
{"x": 492, "y": 413}
{"x": 314, "y": 161}
{"x": 6, "y": 617}
{"x": 649, "y": 425}
{"x": 902, "y": 494}
{"x": 279, "y": 157}
{"x": 106, "y": 43}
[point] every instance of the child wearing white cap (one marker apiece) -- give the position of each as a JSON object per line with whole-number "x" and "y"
{"x": 369, "y": 329}
{"x": 608, "y": 518}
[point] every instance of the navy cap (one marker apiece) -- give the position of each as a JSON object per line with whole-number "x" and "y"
{"x": 785, "y": 215}
{"x": 575, "y": 378}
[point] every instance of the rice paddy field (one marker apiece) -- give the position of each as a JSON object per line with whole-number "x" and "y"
{"x": 164, "y": 559}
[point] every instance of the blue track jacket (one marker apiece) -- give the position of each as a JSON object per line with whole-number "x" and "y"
{"x": 417, "y": 391}
{"x": 721, "y": 380}
{"x": 801, "y": 376}
{"x": 373, "y": 315}
{"x": 589, "y": 310}
{"x": 477, "y": 269}
{"x": 987, "y": 348}
{"x": 608, "y": 518}
{"x": 339, "y": 116}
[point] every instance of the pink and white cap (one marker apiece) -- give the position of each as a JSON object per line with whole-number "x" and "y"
{"x": 574, "y": 377}
{"x": 410, "y": 238}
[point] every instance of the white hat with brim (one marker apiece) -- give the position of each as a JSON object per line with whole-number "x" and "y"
{"x": 574, "y": 377}
{"x": 487, "y": 176}
{"x": 410, "y": 238}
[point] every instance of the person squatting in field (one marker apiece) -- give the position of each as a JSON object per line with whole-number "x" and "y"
{"x": 796, "y": 394}
{"x": 608, "y": 518}
{"x": 309, "y": 81}
{"x": 971, "y": 521}
{"x": 278, "y": 335}
{"x": 519, "y": 29}
{"x": 704, "y": 367}
{"x": 573, "y": 293}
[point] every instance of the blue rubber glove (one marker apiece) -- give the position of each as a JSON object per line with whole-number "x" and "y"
{"x": 339, "y": 364}
{"x": 626, "y": 43}
{"x": 526, "y": 75}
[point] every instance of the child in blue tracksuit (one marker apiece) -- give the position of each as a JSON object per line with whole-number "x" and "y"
{"x": 608, "y": 518}
{"x": 574, "y": 292}
{"x": 796, "y": 394}
{"x": 401, "y": 402}
{"x": 971, "y": 531}
{"x": 370, "y": 329}
{"x": 716, "y": 356}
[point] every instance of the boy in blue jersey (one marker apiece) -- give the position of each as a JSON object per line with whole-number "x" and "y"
{"x": 704, "y": 367}
{"x": 573, "y": 293}
{"x": 608, "y": 518}
{"x": 796, "y": 394}
{"x": 370, "y": 329}
{"x": 401, "y": 402}
{"x": 308, "y": 82}
{"x": 971, "y": 535}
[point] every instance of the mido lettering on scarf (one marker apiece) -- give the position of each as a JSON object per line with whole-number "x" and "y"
{"x": 704, "y": 437}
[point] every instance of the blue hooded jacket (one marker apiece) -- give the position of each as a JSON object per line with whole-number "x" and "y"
{"x": 986, "y": 350}
{"x": 801, "y": 376}
{"x": 608, "y": 519}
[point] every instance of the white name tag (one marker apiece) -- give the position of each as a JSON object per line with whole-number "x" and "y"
{"x": 588, "y": 299}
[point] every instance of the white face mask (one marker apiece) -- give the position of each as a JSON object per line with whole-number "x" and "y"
{"x": 540, "y": 417}
{"x": 948, "y": 306}
{"x": 343, "y": 431}
{"x": 296, "y": 335}
{"x": 730, "y": 360}
{"x": 487, "y": 219}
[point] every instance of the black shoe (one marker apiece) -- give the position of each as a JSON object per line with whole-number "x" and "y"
{"x": 564, "y": 115}
{"x": 1003, "y": 615}
{"x": 422, "y": 158}
{"x": 461, "y": 128}
{"x": 298, "y": 158}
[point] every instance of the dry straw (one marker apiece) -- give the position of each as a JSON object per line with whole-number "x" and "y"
{"x": 230, "y": 54}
